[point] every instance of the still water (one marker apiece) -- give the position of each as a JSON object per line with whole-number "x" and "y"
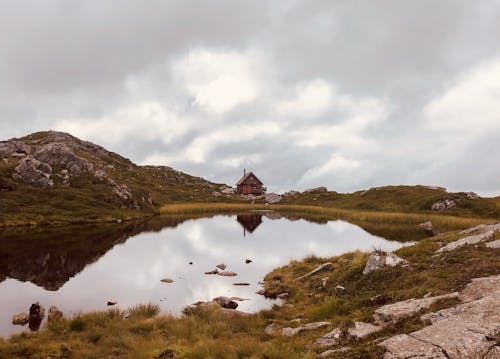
{"x": 82, "y": 268}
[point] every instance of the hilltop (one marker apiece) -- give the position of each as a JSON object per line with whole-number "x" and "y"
{"x": 51, "y": 177}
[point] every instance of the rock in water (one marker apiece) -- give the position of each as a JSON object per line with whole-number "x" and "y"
{"x": 54, "y": 314}
{"x": 225, "y": 302}
{"x": 215, "y": 271}
{"x": 37, "y": 313}
{"x": 247, "y": 261}
{"x": 167, "y": 280}
{"x": 228, "y": 274}
{"x": 20, "y": 319}
{"x": 221, "y": 266}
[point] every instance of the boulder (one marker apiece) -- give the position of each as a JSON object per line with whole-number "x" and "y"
{"x": 474, "y": 239}
{"x": 221, "y": 266}
{"x": 291, "y": 193}
{"x": 330, "y": 339}
{"x": 393, "y": 313}
{"x": 54, "y": 314}
{"x": 14, "y": 148}
{"x": 20, "y": 319}
{"x": 167, "y": 280}
{"x": 225, "y": 302}
{"x": 324, "y": 266}
{"x": 493, "y": 244}
{"x": 272, "y": 198}
{"x": 427, "y": 226}
{"x": 444, "y": 205}
{"x": 60, "y": 155}
{"x": 362, "y": 330}
{"x": 379, "y": 260}
{"x": 34, "y": 172}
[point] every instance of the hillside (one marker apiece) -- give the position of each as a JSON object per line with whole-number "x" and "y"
{"x": 51, "y": 177}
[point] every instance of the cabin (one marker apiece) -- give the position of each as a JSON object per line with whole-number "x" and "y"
{"x": 250, "y": 184}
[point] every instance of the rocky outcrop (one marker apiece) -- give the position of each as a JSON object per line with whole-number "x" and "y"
{"x": 14, "y": 148}
{"x": 474, "y": 239}
{"x": 35, "y": 172}
{"x": 272, "y": 198}
{"x": 393, "y": 313}
{"x": 444, "y": 205}
{"x": 291, "y": 193}
{"x": 493, "y": 244}
{"x": 362, "y": 330}
{"x": 428, "y": 228}
{"x": 379, "y": 260}
{"x": 467, "y": 330}
{"x": 481, "y": 228}
{"x": 61, "y": 156}
{"x": 330, "y": 339}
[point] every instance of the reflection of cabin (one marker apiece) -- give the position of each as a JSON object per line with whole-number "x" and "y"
{"x": 249, "y": 222}
{"x": 250, "y": 184}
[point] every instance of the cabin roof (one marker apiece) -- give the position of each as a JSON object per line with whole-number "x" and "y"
{"x": 246, "y": 176}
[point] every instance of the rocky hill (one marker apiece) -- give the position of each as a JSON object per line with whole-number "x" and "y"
{"x": 55, "y": 177}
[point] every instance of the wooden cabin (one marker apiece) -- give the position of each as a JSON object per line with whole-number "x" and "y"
{"x": 250, "y": 184}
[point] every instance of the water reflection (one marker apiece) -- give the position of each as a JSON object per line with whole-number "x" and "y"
{"x": 85, "y": 268}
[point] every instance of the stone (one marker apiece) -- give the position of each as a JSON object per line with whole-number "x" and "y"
{"x": 34, "y": 172}
{"x": 362, "y": 330}
{"x": 241, "y": 284}
{"x": 324, "y": 266}
{"x": 225, "y": 302}
{"x": 227, "y": 274}
{"x": 379, "y": 260}
{"x": 20, "y": 319}
{"x": 469, "y": 240}
{"x": 272, "y": 198}
{"x": 330, "y": 339}
{"x": 427, "y": 226}
{"x": 61, "y": 155}
{"x": 404, "y": 346}
{"x": 271, "y": 329}
{"x": 261, "y": 292}
{"x": 54, "y": 314}
{"x": 482, "y": 228}
{"x": 290, "y": 193}
{"x": 316, "y": 189}
{"x": 111, "y": 303}
{"x": 472, "y": 195}
{"x": 215, "y": 271}
{"x": 493, "y": 244}
{"x": 166, "y": 354}
{"x": 467, "y": 330}
{"x": 221, "y": 266}
{"x": 444, "y": 205}
{"x": 333, "y": 352}
{"x": 393, "y": 313}
{"x": 167, "y": 280}
{"x": 227, "y": 190}
{"x": 248, "y": 261}
{"x": 494, "y": 353}
{"x": 309, "y": 326}
{"x": 37, "y": 313}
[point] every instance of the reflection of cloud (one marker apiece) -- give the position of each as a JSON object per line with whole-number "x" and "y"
{"x": 131, "y": 273}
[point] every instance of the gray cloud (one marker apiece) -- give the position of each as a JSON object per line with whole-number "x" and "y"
{"x": 349, "y": 95}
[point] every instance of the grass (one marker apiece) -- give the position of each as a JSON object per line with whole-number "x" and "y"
{"x": 143, "y": 332}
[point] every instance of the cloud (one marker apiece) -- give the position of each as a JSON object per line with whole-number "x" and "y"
{"x": 310, "y": 99}
{"x": 218, "y": 81}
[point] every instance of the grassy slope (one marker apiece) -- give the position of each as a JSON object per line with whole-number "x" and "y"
{"x": 208, "y": 333}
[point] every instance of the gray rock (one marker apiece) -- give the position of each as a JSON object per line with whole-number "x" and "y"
{"x": 272, "y": 198}
{"x": 427, "y": 226}
{"x": 330, "y": 339}
{"x": 362, "y": 330}
{"x": 323, "y": 267}
{"x": 227, "y": 190}
{"x": 468, "y": 330}
{"x": 333, "y": 352}
{"x": 228, "y": 274}
{"x": 34, "y": 172}
{"x": 482, "y": 228}
{"x": 493, "y": 244}
{"x": 474, "y": 239}
{"x": 20, "y": 319}
{"x": 54, "y": 314}
{"x": 225, "y": 302}
{"x": 290, "y": 193}
{"x": 379, "y": 260}
{"x": 393, "y": 313}
{"x": 472, "y": 195}
{"x": 221, "y": 266}
{"x": 444, "y": 205}
{"x": 59, "y": 154}
{"x": 14, "y": 148}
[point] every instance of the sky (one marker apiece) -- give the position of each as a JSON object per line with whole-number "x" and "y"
{"x": 345, "y": 94}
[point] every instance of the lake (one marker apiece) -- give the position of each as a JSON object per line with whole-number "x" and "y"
{"x": 81, "y": 268}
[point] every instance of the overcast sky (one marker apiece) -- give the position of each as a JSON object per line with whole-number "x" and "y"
{"x": 347, "y": 94}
